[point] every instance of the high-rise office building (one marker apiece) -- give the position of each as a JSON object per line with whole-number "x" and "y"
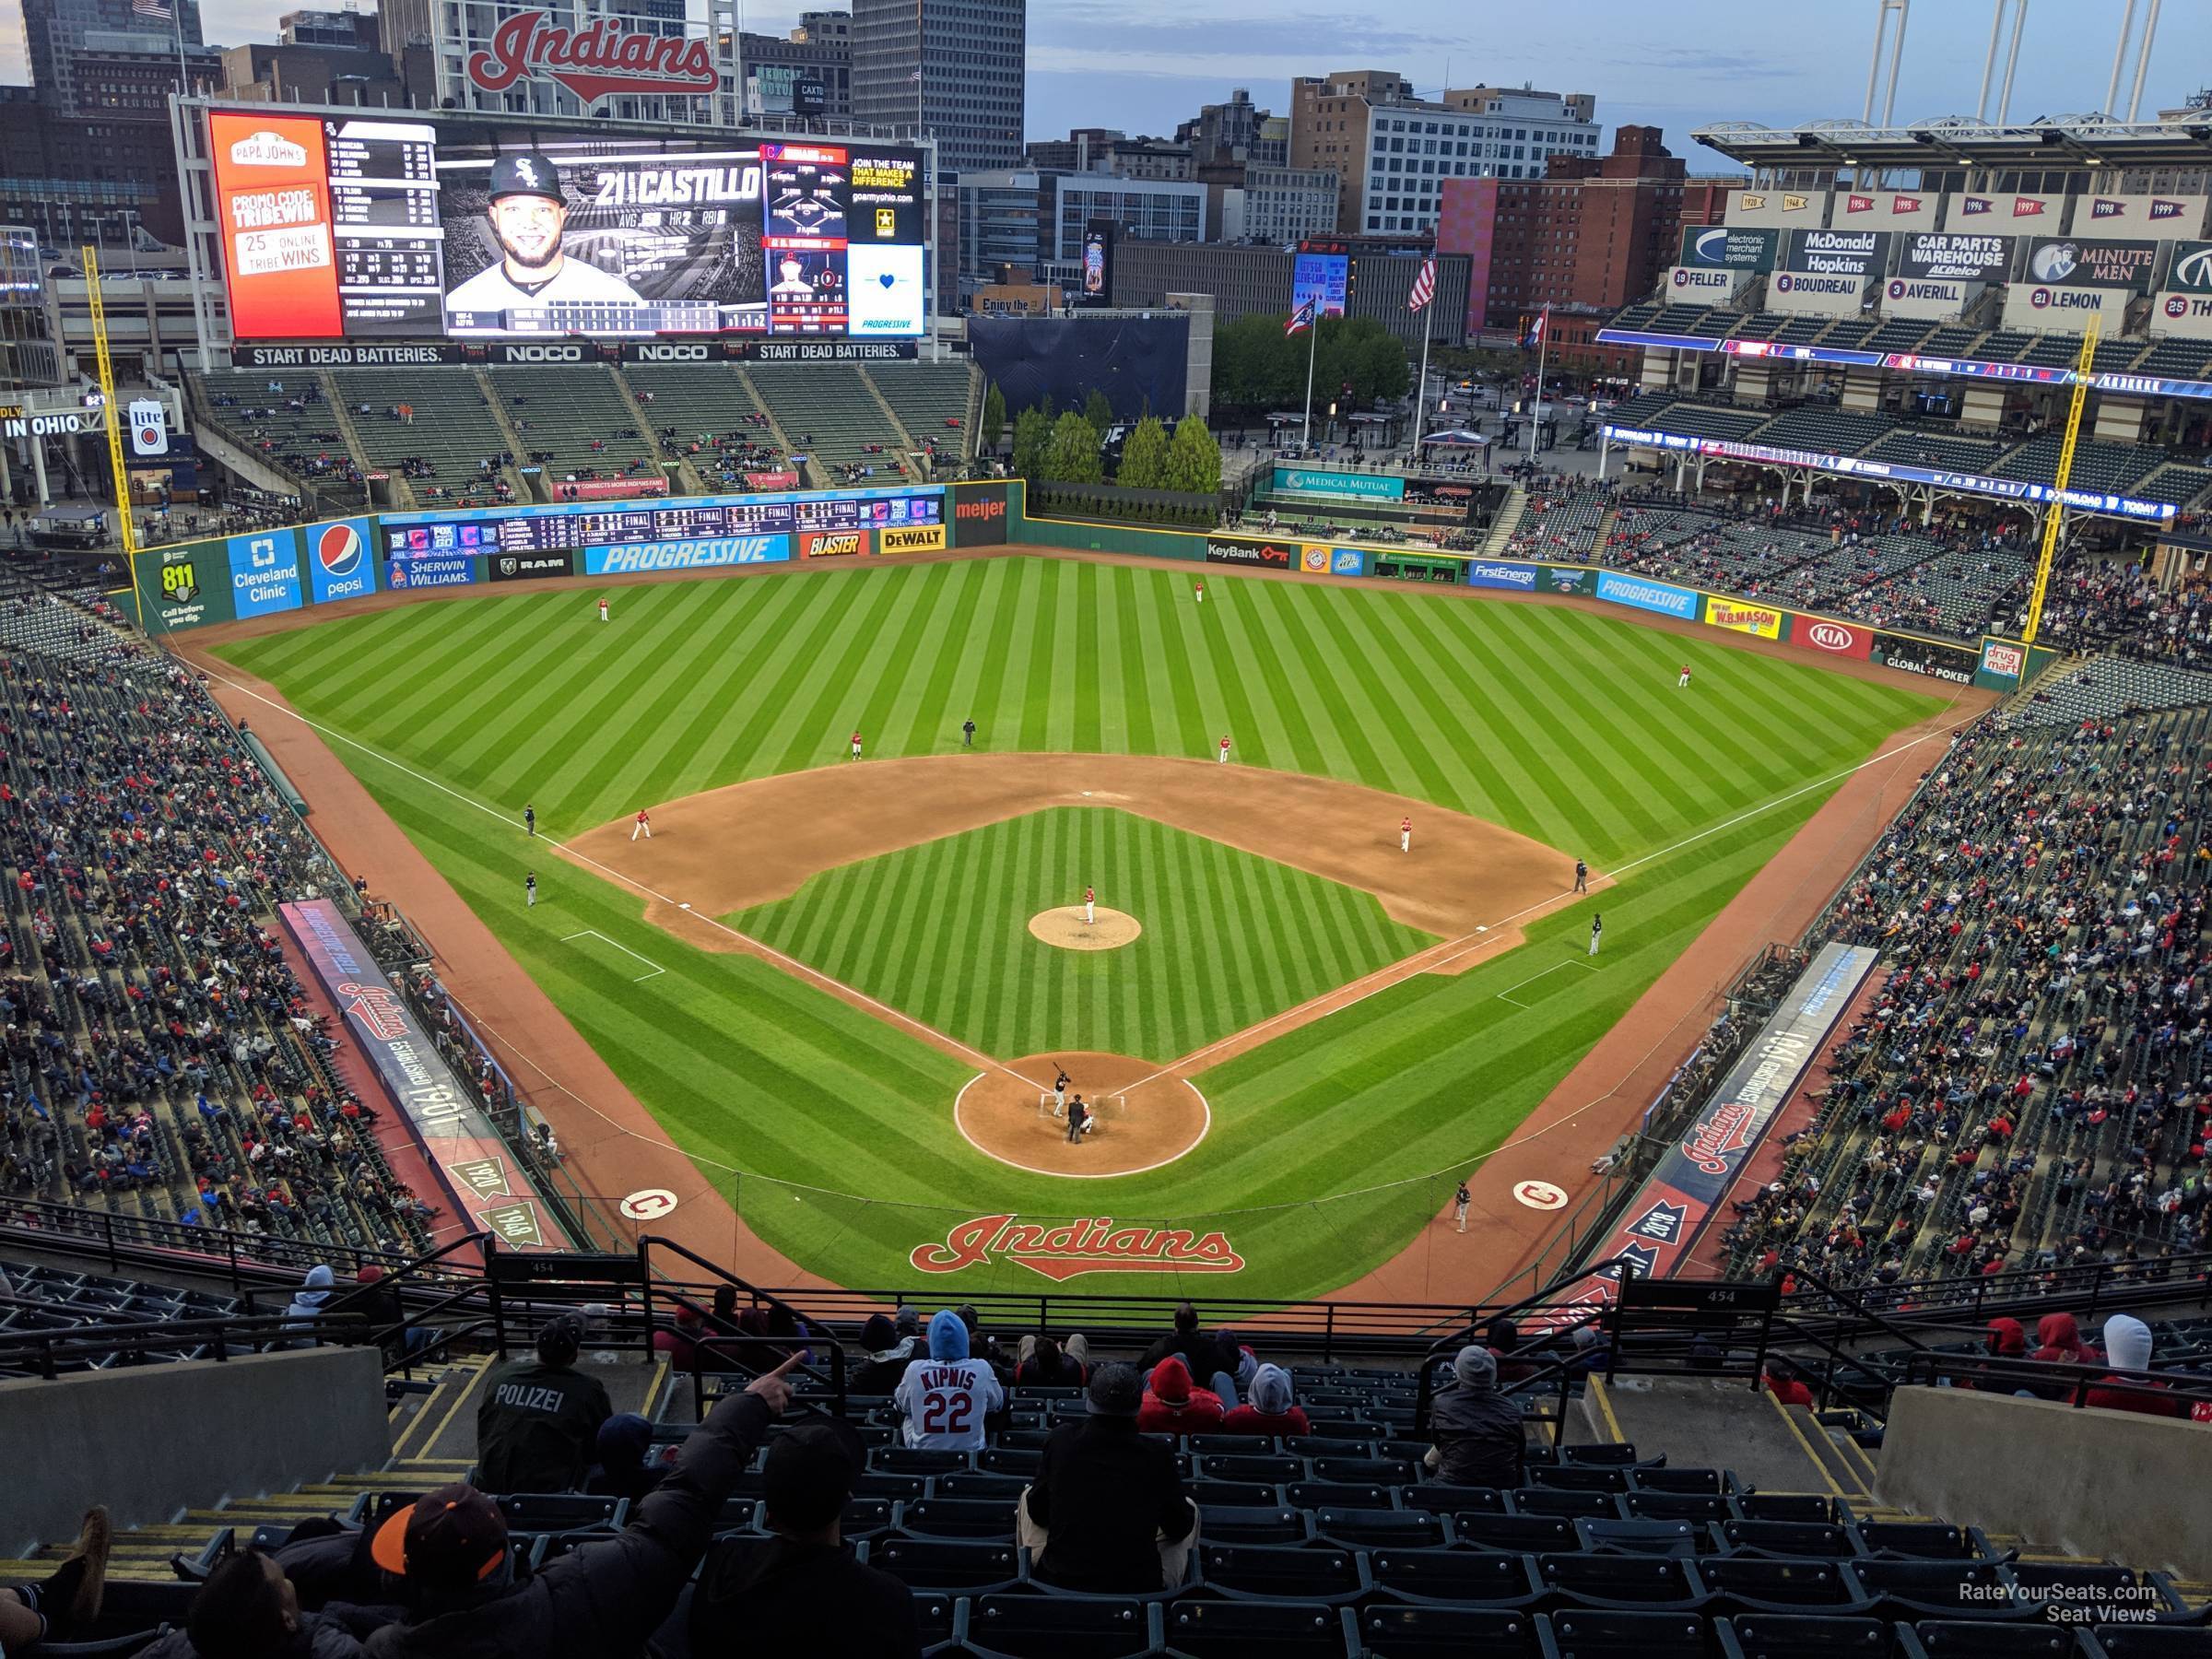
{"x": 54, "y": 31}
{"x": 954, "y": 67}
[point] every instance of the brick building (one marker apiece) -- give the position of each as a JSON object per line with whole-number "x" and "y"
{"x": 1591, "y": 235}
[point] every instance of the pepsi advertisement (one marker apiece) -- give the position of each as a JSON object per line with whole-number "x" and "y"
{"x": 338, "y": 565}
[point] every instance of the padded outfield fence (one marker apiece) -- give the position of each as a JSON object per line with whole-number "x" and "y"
{"x": 330, "y": 562}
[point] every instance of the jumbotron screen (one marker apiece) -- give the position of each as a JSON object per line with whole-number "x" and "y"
{"x": 374, "y": 229}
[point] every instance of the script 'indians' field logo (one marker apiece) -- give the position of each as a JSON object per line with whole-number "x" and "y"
{"x": 376, "y": 1007}
{"x": 593, "y": 61}
{"x": 1060, "y": 1252}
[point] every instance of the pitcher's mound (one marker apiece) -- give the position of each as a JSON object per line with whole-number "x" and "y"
{"x": 1145, "y": 1118}
{"x": 1065, "y": 928}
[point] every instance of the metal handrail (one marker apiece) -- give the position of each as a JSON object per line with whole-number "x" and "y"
{"x": 221, "y": 1335}
{"x": 2039, "y": 1376}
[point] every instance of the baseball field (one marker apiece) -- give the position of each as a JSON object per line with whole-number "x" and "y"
{"x": 839, "y": 987}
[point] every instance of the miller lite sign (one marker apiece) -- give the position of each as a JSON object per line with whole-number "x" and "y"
{"x": 603, "y": 58}
{"x": 149, "y": 427}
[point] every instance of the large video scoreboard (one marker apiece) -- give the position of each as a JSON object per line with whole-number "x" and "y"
{"x": 367, "y": 228}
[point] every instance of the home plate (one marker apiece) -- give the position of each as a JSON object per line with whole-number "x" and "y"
{"x": 1540, "y": 1194}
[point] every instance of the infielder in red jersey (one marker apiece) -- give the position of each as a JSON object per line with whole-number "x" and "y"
{"x": 1405, "y": 835}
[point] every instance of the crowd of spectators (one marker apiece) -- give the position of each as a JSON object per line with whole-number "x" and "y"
{"x": 159, "y": 1055}
{"x": 2027, "y": 1090}
{"x": 294, "y": 429}
{"x": 725, "y": 459}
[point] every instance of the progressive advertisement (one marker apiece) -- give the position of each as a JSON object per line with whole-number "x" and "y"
{"x": 1640, "y": 594}
{"x": 345, "y": 229}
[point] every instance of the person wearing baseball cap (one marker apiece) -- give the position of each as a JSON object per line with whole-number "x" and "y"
{"x": 1106, "y": 1511}
{"x": 537, "y": 1426}
{"x": 802, "y": 1592}
{"x": 460, "y": 1599}
{"x": 528, "y": 220}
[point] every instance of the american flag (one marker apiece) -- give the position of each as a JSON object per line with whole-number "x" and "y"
{"x": 163, "y": 9}
{"x": 1535, "y": 332}
{"x": 1424, "y": 285}
{"x": 1301, "y": 320}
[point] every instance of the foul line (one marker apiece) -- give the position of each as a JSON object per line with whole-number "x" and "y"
{"x": 592, "y": 933}
{"x": 790, "y": 964}
{"x": 1427, "y": 961}
{"x": 1505, "y": 995}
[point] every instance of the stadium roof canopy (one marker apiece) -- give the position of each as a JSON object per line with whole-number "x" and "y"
{"x": 1963, "y": 141}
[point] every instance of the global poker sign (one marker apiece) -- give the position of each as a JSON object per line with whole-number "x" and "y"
{"x": 596, "y": 62}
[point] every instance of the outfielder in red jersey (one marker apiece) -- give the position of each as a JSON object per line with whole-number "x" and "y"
{"x": 856, "y": 745}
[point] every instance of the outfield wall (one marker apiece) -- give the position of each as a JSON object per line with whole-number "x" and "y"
{"x": 226, "y": 579}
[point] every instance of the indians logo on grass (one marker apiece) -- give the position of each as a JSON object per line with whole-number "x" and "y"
{"x": 1063, "y": 1251}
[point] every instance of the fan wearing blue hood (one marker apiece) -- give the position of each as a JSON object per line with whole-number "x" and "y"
{"x": 307, "y": 1303}
{"x": 946, "y": 1397}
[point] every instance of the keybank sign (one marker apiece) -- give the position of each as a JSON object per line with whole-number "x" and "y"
{"x": 1365, "y": 487}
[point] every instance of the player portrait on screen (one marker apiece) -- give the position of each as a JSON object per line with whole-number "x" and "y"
{"x": 528, "y": 214}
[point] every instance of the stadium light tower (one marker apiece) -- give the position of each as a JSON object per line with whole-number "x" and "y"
{"x": 2127, "y": 26}
{"x": 1897, "y": 56}
{"x": 2018, "y": 9}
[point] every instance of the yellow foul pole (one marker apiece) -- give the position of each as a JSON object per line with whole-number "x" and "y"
{"x": 126, "y": 526}
{"x": 2056, "y": 514}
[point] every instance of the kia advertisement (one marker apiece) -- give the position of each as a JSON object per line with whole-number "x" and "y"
{"x": 1830, "y": 638}
{"x": 343, "y": 228}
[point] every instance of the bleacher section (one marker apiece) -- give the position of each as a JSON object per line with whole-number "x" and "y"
{"x": 574, "y": 423}
{"x": 286, "y": 420}
{"x": 931, "y": 401}
{"x": 441, "y": 452}
{"x": 41, "y": 1298}
{"x": 706, "y": 417}
{"x": 827, "y": 411}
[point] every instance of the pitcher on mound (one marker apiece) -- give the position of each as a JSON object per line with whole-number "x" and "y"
{"x": 1090, "y": 915}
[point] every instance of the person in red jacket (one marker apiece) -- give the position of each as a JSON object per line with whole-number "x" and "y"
{"x": 1269, "y": 1410}
{"x": 2061, "y": 1341}
{"x": 1786, "y": 1385}
{"x": 1171, "y": 1405}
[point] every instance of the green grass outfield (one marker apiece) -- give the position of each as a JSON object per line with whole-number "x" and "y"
{"x": 941, "y": 930}
{"x": 1559, "y": 723}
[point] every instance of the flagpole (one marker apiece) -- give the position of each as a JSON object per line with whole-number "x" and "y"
{"x": 176, "y": 17}
{"x": 1535, "y": 414}
{"x": 1421, "y": 394}
{"x": 1313, "y": 345}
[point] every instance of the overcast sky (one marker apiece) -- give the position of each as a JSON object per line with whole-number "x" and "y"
{"x": 1144, "y": 64}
